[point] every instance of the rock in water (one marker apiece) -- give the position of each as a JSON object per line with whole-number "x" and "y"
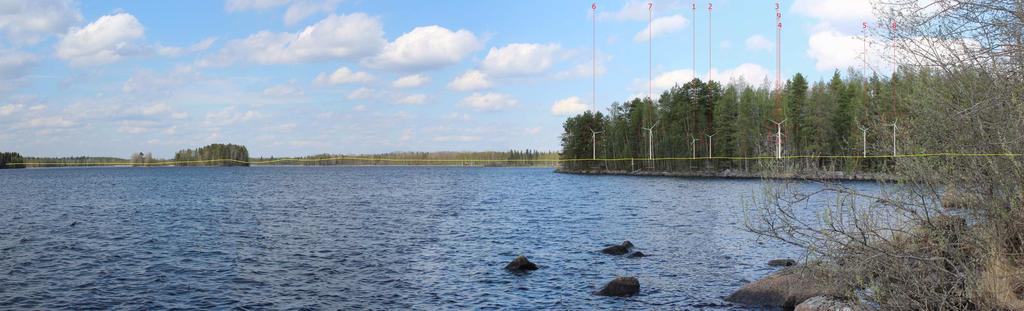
{"x": 786, "y": 289}
{"x": 623, "y": 286}
{"x": 520, "y": 264}
{"x": 826, "y": 303}
{"x": 620, "y": 249}
{"x": 781, "y": 262}
{"x": 637, "y": 255}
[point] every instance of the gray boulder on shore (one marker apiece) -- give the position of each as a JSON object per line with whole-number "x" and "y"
{"x": 623, "y": 286}
{"x": 620, "y": 249}
{"x": 826, "y": 303}
{"x": 520, "y": 264}
{"x": 786, "y": 288}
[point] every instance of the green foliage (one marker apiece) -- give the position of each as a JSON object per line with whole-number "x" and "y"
{"x": 213, "y": 155}
{"x": 11, "y": 160}
{"x": 821, "y": 119}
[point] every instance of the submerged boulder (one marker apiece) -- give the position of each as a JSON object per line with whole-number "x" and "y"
{"x": 637, "y": 255}
{"x": 520, "y": 264}
{"x": 623, "y": 286}
{"x": 620, "y": 249}
{"x": 785, "y": 288}
{"x": 786, "y": 262}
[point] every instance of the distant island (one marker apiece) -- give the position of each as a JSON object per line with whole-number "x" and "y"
{"x": 238, "y": 155}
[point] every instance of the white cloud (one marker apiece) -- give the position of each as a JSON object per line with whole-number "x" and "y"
{"x": 426, "y": 47}
{"x": 569, "y": 106}
{"x": 759, "y": 43}
{"x": 360, "y": 93}
{"x": 414, "y": 99}
{"x": 837, "y": 11}
{"x": 15, "y": 64}
{"x": 335, "y": 37}
{"x": 667, "y": 80}
{"x": 520, "y": 59}
{"x": 359, "y": 108}
{"x": 470, "y": 81}
{"x": 343, "y": 76}
{"x": 230, "y": 115}
{"x": 489, "y": 101}
{"x": 660, "y": 26}
{"x": 283, "y": 90}
{"x": 411, "y": 81}
{"x": 832, "y": 50}
{"x": 101, "y": 42}
{"x": 749, "y": 72}
{"x": 31, "y": 21}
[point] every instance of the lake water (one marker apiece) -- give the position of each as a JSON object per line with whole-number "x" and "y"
{"x": 380, "y": 238}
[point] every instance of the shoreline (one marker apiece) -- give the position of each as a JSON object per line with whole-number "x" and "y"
{"x": 731, "y": 174}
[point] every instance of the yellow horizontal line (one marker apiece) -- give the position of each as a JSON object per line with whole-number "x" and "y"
{"x": 306, "y": 160}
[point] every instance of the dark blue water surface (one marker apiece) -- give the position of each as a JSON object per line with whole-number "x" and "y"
{"x": 368, "y": 238}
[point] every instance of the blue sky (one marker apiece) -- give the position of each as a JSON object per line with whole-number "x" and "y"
{"x": 297, "y": 77}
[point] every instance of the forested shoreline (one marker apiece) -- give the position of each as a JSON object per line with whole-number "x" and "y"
{"x": 238, "y": 155}
{"x": 705, "y": 126}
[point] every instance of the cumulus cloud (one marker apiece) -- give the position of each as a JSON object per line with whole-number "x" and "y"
{"x": 470, "y": 81}
{"x": 343, "y": 76}
{"x": 410, "y": 81}
{"x": 48, "y": 122}
{"x": 101, "y": 42}
{"x": 660, "y": 26}
{"x": 832, "y": 50}
{"x": 9, "y": 109}
{"x": 30, "y": 21}
{"x": 569, "y": 106}
{"x": 414, "y": 99}
{"x": 426, "y": 47}
{"x": 759, "y": 43}
{"x": 489, "y": 101}
{"x": 336, "y": 37}
{"x": 748, "y": 72}
{"x": 519, "y": 59}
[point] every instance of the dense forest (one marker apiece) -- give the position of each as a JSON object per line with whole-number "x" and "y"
{"x": 72, "y": 161}
{"x": 695, "y": 121}
{"x": 480, "y": 158}
{"x": 213, "y": 155}
{"x": 11, "y": 160}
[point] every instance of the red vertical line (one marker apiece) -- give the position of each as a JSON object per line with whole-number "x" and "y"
{"x": 650, "y": 51}
{"x": 895, "y": 67}
{"x": 593, "y": 8}
{"x": 778, "y": 60}
{"x": 693, "y": 5}
{"x": 709, "y": 41}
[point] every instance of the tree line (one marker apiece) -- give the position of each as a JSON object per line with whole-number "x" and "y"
{"x": 478, "y": 158}
{"x": 849, "y": 116}
{"x": 213, "y": 155}
{"x": 11, "y": 160}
